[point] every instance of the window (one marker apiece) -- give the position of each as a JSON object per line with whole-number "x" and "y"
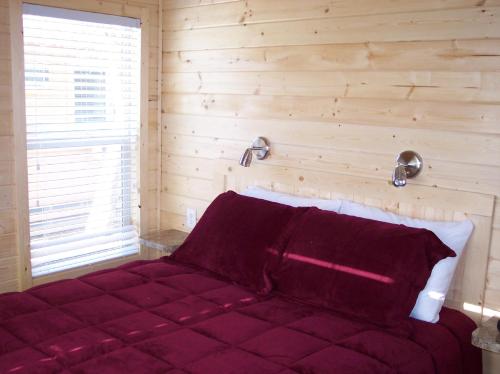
{"x": 82, "y": 79}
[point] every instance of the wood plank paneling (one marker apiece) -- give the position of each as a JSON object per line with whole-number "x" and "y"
{"x": 439, "y": 173}
{"x": 341, "y": 91}
{"x": 420, "y": 86}
{"x": 345, "y": 136}
{"x": 7, "y": 221}
{"x": 8, "y": 273}
{"x": 259, "y": 11}
{"x": 479, "y": 22}
{"x": 429, "y": 115}
{"x": 477, "y": 55}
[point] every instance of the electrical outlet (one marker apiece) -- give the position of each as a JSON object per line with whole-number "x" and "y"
{"x": 190, "y": 218}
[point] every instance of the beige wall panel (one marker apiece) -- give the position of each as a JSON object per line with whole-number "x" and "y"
{"x": 5, "y": 101}
{"x": 473, "y": 148}
{"x": 427, "y": 115}
{"x": 6, "y": 173}
{"x": 5, "y": 123}
{"x": 5, "y": 39}
{"x": 258, "y": 11}
{"x": 456, "y": 55}
{"x": 439, "y": 173}
{"x": 492, "y": 297}
{"x": 175, "y": 4}
{"x": 7, "y": 197}
{"x": 9, "y": 286}
{"x": 178, "y": 204}
{"x": 492, "y": 293}
{"x": 5, "y": 69}
{"x": 5, "y": 77}
{"x": 494, "y": 274}
{"x": 442, "y": 25}
{"x": 495, "y": 243}
{"x": 8, "y": 245}
{"x": 421, "y": 86}
{"x": 191, "y": 166}
{"x": 496, "y": 217}
{"x": 4, "y": 16}
{"x": 201, "y": 189}
{"x": 174, "y": 221}
{"x": 8, "y": 269}
{"x": 7, "y": 221}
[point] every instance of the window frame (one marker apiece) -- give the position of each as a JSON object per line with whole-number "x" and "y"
{"x": 26, "y": 279}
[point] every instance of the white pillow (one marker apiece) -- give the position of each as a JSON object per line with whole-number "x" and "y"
{"x": 453, "y": 234}
{"x": 296, "y": 201}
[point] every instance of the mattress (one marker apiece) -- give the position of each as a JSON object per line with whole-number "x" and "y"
{"x": 163, "y": 317}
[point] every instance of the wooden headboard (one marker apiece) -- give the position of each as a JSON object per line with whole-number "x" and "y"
{"x": 433, "y": 203}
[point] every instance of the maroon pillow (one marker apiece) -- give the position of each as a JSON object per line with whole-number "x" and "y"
{"x": 364, "y": 268}
{"x": 240, "y": 238}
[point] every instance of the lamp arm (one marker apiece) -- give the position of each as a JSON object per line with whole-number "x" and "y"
{"x": 399, "y": 176}
{"x": 265, "y": 148}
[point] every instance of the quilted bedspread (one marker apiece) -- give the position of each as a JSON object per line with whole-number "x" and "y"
{"x": 162, "y": 317}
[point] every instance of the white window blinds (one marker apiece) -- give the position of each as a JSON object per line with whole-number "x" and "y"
{"x": 82, "y": 78}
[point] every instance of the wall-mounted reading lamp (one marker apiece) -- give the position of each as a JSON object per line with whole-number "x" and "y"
{"x": 408, "y": 165}
{"x": 260, "y": 146}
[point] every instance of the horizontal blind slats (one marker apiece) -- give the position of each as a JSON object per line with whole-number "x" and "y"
{"x": 119, "y": 251}
{"x": 48, "y": 175}
{"x": 75, "y": 222}
{"x": 55, "y": 233}
{"x": 80, "y": 241}
{"x": 51, "y": 157}
{"x": 50, "y": 212}
{"x": 46, "y": 200}
{"x": 72, "y": 143}
{"x": 102, "y": 187}
{"x": 82, "y": 82}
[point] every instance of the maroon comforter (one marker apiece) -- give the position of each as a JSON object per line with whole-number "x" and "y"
{"x": 160, "y": 317}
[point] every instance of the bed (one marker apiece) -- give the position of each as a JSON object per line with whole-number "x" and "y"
{"x": 162, "y": 317}
{"x": 189, "y": 314}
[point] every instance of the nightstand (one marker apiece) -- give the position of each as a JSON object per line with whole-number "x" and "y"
{"x": 161, "y": 243}
{"x": 487, "y": 337}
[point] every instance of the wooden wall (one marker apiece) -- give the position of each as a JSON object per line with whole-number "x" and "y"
{"x": 9, "y": 248}
{"x": 340, "y": 86}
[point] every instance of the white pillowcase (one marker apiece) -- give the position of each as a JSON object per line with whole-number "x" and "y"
{"x": 453, "y": 234}
{"x": 296, "y": 201}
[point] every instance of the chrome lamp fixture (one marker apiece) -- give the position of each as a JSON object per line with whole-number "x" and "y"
{"x": 408, "y": 165}
{"x": 261, "y": 148}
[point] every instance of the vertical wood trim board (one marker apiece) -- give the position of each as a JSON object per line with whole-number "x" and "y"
{"x": 19, "y": 123}
{"x": 9, "y": 258}
{"x": 158, "y": 119}
{"x": 144, "y": 181}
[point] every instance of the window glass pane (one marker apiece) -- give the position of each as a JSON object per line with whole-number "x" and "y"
{"x": 82, "y": 79}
